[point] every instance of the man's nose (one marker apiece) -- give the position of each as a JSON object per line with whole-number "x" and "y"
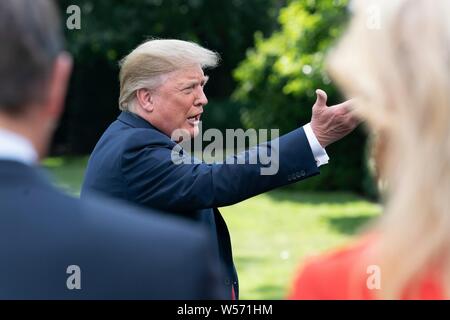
{"x": 201, "y": 98}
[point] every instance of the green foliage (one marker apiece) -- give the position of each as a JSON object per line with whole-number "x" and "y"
{"x": 281, "y": 73}
{"x": 111, "y": 29}
{"x": 278, "y": 79}
{"x": 222, "y": 115}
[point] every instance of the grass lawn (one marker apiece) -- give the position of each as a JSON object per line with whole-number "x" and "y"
{"x": 271, "y": 233}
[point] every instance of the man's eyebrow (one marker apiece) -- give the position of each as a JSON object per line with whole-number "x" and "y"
{"x": 191, "y": 82}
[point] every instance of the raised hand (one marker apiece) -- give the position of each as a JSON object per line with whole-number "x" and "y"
{"x": 330, "y": 124}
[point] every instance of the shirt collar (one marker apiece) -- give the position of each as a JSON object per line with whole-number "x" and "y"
{"x": 16, "y": 148}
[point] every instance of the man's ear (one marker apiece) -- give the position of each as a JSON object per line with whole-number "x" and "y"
{"x": 145, "y": 99}
{"x": 57, "y": 86}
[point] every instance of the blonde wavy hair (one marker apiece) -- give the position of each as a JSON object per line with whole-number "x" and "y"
{"x": 147, "y": 66}
{"x": 400, "y": 76}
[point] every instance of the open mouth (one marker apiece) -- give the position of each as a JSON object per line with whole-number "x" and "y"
{"x": 194, "y": 120}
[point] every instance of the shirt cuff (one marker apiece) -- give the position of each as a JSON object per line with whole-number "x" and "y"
{"x": 319, "y": 153}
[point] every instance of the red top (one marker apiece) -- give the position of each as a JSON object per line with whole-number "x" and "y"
{"x": 341, "y": 275}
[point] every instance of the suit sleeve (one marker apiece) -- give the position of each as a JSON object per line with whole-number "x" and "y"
{"x": 153, "y": 179}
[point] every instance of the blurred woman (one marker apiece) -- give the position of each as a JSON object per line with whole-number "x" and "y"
{"x": 400, "y": 75}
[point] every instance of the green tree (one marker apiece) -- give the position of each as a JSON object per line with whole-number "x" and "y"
{"x": 278, "y": 79}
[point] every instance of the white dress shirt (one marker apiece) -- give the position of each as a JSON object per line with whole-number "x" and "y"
{"x": 319, "y": 153}
{"x": 15, "y": 147}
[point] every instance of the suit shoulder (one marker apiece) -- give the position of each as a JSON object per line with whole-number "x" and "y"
{"x": 132, "y": 136}
{"x": 113, "y": 216}
{"x": 104, "y": 217}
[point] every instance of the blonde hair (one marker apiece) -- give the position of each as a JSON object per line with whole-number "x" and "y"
{"x": 148, "y": 64}
{"x": 400, "y": 75}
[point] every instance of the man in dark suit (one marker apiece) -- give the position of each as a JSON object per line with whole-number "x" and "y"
{"x": 51, "y": 245}
{"x": 162, "y": 100}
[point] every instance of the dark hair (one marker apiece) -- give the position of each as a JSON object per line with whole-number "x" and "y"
{"x": 30, "y": 40}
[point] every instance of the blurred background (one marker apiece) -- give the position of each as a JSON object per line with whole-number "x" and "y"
{"x": 273, "y": 54}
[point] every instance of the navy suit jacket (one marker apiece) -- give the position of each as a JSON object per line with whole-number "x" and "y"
{"x": 122, "y": 252}
{"x": 133, "y": 161}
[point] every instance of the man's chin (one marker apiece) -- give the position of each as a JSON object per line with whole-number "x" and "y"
{"x": 192, "y": 131}
{"x": 184, "y": 134}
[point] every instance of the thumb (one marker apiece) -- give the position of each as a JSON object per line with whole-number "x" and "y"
{"x": 321, "y": 98}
